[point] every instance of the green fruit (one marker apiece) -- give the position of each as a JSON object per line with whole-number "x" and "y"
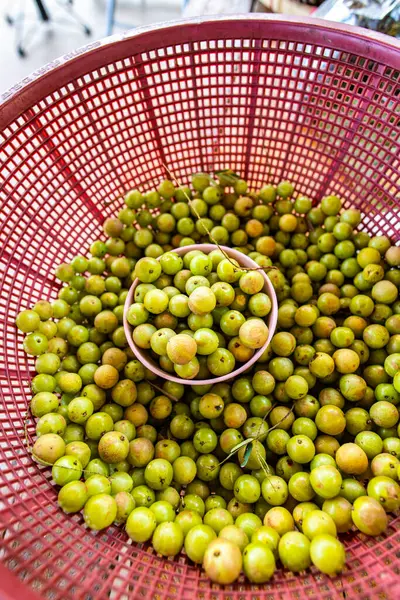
{"x": 168, "y": 539}
{"x": 326, "y": 481}
{"x": 294, "y": 551}
{"x": 73, "y": 496}
{"x": 369, "y": 516}
{"x": 223, "y": 561}
{"x": 280, "y": 519}
{"x": 158, "y": 474}
{"x": 274, "y": 490}
{"x": 187, "y": 520}
{"x": 218, "y": 518}
{"x": 258, "y": 562}
{"x": 234, "y": 534}
{"x": 268, "y": 536}
{"x": 340, "y": 510}
{"x": 197, "y": 541}
{"x": 249, "y": 523}
{"x": 48, "y": 448}
{"x": 141, "y": 524}
{"x": 385, "y": 491}
{"x": 97, "y": 484}
{"x": 247, "y": 489}
{"x": 100, "y": 511}
{"x": 66, "y": 469}
{"x": 318, "y": 522}
{"x": 327, "y": 554}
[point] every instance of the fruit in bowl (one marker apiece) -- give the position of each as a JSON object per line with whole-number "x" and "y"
{"x": 210, "y": 324}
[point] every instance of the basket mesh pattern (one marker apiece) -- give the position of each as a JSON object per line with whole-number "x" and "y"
{"x": 303, "y": 100}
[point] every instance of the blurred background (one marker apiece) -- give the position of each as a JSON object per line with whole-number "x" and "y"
{"x": 35, "y": 32}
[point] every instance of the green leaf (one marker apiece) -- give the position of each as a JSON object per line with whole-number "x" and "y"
{"x": 246, "y": 456}
{"x": 240, "y": 445}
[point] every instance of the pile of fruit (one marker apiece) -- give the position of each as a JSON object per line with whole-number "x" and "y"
{"x": 243, "y": 475}
{"x": 202, "y": 297}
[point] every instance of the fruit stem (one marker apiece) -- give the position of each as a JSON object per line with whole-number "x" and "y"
{"x": 163, "y": 392}
{"x": 198, "y": 217}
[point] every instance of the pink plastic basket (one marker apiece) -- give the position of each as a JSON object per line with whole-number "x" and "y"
{"x": 272, "y": 98}
{"x": 144, "y": 357}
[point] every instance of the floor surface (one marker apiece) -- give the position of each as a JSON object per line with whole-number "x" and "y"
{"x": 47, "y": 42}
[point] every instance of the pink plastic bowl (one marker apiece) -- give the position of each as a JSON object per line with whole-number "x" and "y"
{"x": 144, "y": 357}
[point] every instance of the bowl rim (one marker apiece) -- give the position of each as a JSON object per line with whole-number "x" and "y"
{"x": 271, "y": 319}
